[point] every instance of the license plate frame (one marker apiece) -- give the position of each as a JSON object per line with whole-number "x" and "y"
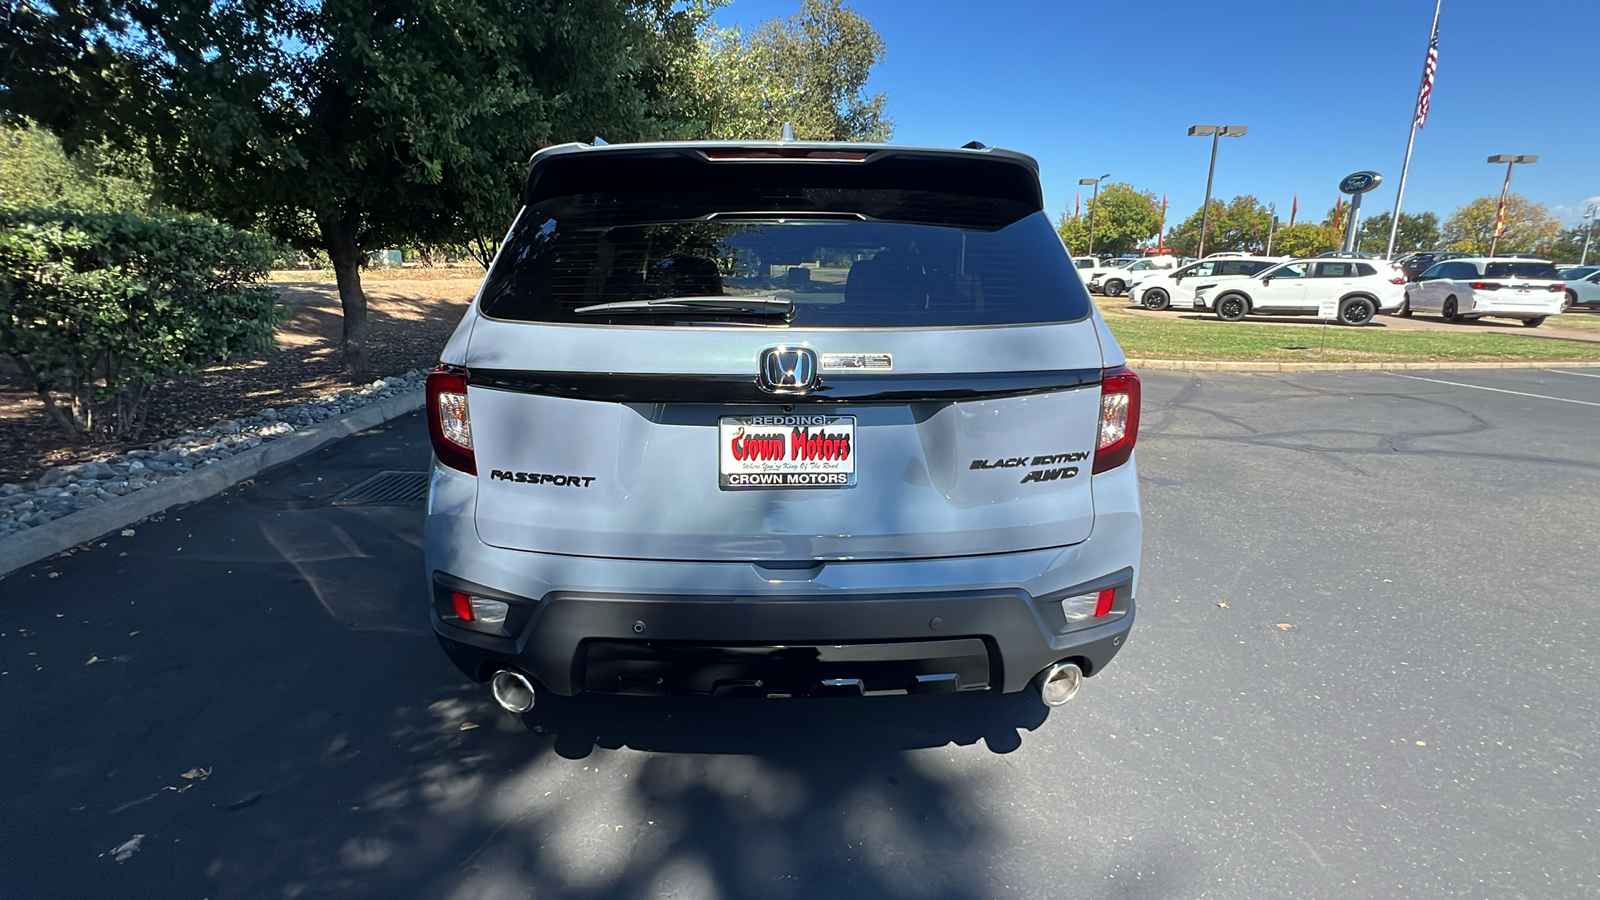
{"x": 786, "y": 452}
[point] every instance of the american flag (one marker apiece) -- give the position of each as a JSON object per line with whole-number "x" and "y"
{"x": 1428, "y": 68}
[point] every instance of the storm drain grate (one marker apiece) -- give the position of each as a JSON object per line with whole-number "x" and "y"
{"x": 386, "y": 489}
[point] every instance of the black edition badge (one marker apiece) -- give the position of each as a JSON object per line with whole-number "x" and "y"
{"x": 1036, "y": 462}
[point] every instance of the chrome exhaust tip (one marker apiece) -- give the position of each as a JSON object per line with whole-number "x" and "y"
{"x": 512, "y": 690}
{"x": 1059, "y": 683}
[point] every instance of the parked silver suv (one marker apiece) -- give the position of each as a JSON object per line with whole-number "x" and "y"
{"x": 782, "y": 419}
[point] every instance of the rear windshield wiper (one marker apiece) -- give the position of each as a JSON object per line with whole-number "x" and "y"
{"x": 714, "y": 306}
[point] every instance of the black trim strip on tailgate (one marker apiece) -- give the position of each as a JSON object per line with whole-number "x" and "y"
{"x": 614, "y": 387}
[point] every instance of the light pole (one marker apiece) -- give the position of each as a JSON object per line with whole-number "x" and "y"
{"x": 1093, "y": 204}
{"x": 1272, "y": 228}
{"x": 1500, "y": 214}
{"x": 1215, "y": 131}
{"x": 1588, "y": 233}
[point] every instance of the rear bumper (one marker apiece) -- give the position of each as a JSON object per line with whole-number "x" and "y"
{"x": 649, "y": 626}
{"x": 573, "y": 642}
{"x": 1480, "y": 305}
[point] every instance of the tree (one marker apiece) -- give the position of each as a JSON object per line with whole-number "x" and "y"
{"x": 1074, "y": 231}
{"x": 1240, "y": 225}
{"x": 1569, "y": 246}
{"x": 1529, "y": 227}
{"x": 1306, "y": 239}
{"x": 342, "y": 125}
{"x": 809, "y": 70}
{"x": 1418, "y": 231}
{"x": 1124, "y": 218}
{"x": 36, "y": 171}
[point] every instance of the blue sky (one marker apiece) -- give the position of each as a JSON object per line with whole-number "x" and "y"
{"x": 1326, "y": 87}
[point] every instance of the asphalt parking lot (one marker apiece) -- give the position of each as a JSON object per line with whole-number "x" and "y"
{"x": 1364, "y": 666}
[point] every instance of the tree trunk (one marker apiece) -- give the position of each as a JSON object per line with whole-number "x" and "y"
{"x": 339, "y": 238}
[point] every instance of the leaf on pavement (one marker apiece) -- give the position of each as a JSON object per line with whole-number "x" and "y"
{"x": 1222, "y": 604}
{"x": 127, "y": 848}
{"x": 127, "y": 532}
{"x": 196, "y": 772}
{"x": 468, "y": 726}
{"x": 93, "y": 660}
{"x": 1285, "y": 626}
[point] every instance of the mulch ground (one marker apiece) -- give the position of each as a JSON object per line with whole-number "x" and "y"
{"x": 411, "y": 318}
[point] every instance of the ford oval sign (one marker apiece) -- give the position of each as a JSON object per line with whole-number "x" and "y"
{"x": 1360, "y": 182}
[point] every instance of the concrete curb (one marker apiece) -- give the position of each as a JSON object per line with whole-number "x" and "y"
{"x": 1201, "y": 365}
{"x": 46, "y": 540}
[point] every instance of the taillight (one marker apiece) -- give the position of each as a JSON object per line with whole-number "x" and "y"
{"x": 1485, "y": 286}
{"x": 1557, "y": 288}
{"x": 1119, "y": 418}
{"x": 449, "y": 423}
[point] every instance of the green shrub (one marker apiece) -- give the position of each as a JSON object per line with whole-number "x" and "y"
{"x": 97, "y": 308}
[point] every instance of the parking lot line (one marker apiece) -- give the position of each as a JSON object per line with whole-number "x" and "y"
{"x": 1580, "y": 374}
{"x": 1479, "y": 387}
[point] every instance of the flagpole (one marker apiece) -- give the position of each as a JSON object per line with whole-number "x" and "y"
{"x": 1405, "y": 168}
{"x": 1394, "y": 221}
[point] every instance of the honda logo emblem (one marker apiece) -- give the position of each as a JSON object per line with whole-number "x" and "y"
{"x": 788, "y": 370}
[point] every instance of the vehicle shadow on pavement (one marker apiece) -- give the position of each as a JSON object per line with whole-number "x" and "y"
{"x": 616, "y": 797}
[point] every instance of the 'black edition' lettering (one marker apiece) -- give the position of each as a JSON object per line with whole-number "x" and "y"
{"x": 577, "y": 481}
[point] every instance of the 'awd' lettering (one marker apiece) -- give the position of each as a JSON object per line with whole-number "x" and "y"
{"x": 1050, "y": 474}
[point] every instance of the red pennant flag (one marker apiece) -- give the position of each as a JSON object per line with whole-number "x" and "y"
{"x": 1294, "y": 209}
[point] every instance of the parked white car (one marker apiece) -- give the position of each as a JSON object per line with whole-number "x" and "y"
{"x": 1091, "y": 277}
{"x": 1115, "y": 282}
{"x": 1583, "y": 286}
{"x": 1461, "y": 289}
{"x": 1083, "y": 264}
{"x": 1165, "y": 288}
{"x": 1361, "y": 288}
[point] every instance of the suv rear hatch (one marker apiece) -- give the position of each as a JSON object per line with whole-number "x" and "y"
{"x": 783, "y": 353}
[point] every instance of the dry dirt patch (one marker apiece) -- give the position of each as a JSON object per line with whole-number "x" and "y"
{"x": 411, "y": 318}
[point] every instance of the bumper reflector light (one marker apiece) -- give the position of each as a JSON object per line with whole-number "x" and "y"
{"x": 1088, "y": 606}
{"x": 478, "y": 609}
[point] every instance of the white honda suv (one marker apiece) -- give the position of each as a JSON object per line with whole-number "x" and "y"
{"x": 1359, "y": 289}
{"x": 1461, "y": 289}
{"x": 1175, "y": 287}
{"x": 781, "y": 419}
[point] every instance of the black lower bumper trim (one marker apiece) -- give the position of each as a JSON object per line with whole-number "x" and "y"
{"x": 905, "y": 667}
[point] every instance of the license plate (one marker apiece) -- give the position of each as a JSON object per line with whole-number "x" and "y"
{"x": 786, "y": 452}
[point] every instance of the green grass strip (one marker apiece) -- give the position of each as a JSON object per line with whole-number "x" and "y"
{"x": 1175, "y": 336}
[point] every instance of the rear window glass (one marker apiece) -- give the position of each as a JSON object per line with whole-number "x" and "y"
{"x": 1365, "y": 270}
{"x": 1521, "y": 270}
{"x": 837, "y": 268}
